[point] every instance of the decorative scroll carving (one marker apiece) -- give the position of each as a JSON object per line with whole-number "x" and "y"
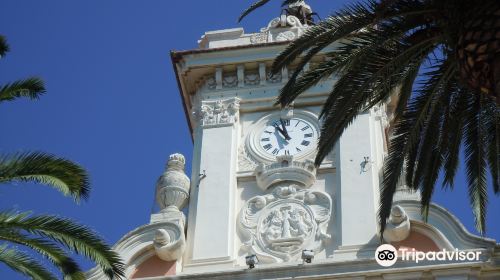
{"x": 219, "y": 112}
{"x": 170, "y": 242}
{"x": 273, "y": 32}
{"x": 278, "y": 226}
{"x": 398, "y": 227}
{"x": 283, "y": 21}
{"x": 172, "y": 193}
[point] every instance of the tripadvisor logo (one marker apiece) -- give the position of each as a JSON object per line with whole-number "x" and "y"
{"x": 386, "y": 255}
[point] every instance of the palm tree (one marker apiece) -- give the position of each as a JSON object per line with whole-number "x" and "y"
{"x": 47, "y": 235}
{"x": 441, "y": 58}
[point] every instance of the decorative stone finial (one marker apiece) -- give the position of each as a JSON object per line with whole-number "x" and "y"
{"x": 398, "y": 227}
{"x": 172, "y": 193}
{"x": 172, "y": 188}
{"x": 176, "y": 161}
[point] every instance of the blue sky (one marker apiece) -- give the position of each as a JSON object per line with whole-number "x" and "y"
{"x": 112, "y": 102}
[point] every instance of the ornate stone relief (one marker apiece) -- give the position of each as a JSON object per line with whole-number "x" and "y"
{"x": 230, "y": 81}
{"x": 302, "y": 173}
{"x": 285, "y": 36}
{"x": 252, "y": 79}
{"x": 279, "y": 225}
{"x": 283, "y": 21}
{"x": 245, "y": 161}
{"x": 218, "y": 112}
{"x": 273, "y": 32}
{"x": 259, "y": 38}
{"x": 398, "y": 227}
{"x": 211, "y": 83}
{"x": 172, "y": 193}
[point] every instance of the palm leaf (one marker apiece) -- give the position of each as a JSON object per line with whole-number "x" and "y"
{"x": 4, "y": 47}
{"x": 24, "y": 264}
{"x": 31, "y": 88}
{"x": 261, "y": 3}
{"x": 351, "y": 19}
{"x": 75, "y": 237}
{"x": 64, "y": 175}
{"x": 492, "y": 125}
{"x": 475, "y": 160}
{"x": 406, "y": 134}
{"x": 68, "y": 267}
{"x": 252, "y": 8}
{"x": 455, "y": 134}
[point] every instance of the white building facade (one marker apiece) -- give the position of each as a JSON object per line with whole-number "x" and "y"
{"x": 254, "y": 190}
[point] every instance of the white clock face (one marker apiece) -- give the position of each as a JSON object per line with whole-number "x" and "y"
{"x": 288, "y": 137}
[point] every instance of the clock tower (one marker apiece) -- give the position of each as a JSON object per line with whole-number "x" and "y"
{"x": 255, "y": 189}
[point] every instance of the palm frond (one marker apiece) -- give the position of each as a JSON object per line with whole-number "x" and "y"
{"x": 68, "y": 267}
{"x": 492, "y": 125}
{"x": 4, "y": 47}
{"x": 336, "y": 27}
{"x": 437, "y": 82}
{"x": 75, "y": 237}
{"x": 433, "y": 140}
{"x": 455, "y": 134}
{"x": 252, "y": 8}
{"x": 369, "y": 83}
{"x": 475, "y": 160}
{"x": 24, "y": 264}
{"x": 405, "y": 138}
{"x": 62, "y": 174}
{"x": 352, "y": 51}
{"x": 31, "y": 88}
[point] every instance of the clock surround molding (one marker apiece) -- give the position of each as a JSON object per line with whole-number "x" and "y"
{"x": 252, "y": 141}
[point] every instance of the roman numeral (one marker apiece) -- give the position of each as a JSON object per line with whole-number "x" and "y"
{"x": 286, "y": 122}
{"x": 268, "y": 146}
{"x": 265, "y": 139}
{"x": 275, "y": 151}
{"x": 298, "y": 150}
{"x": 305, "y": 143}
{"x": 308, "y": 135}
{"x": 297, "y": 123}
{"x": 305, "y": 128}
{"x": 287, "y": 152}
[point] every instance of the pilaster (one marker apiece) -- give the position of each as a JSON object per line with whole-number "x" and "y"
{"x": 212, "y": 233}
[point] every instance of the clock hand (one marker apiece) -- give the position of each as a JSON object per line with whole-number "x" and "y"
{"x": 280, "y": 130}
{"x": 279, "y": 140}
{"x": 285, "y": 132}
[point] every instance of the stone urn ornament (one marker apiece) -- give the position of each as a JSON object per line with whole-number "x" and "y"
{"x": 172, "y": 188}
